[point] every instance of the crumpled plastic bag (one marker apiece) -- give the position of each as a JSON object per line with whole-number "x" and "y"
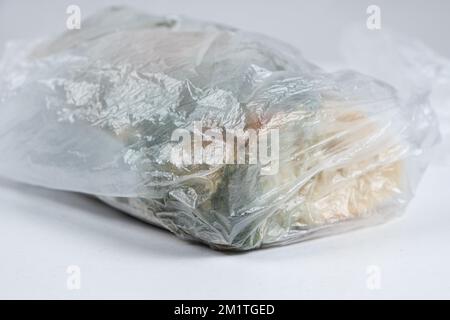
{"x": 95, "y": 111}
{"x": 416, "y": 72}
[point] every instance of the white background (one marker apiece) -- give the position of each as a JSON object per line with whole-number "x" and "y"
{"x": 42, "y": 232}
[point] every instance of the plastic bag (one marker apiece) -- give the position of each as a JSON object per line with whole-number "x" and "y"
{"x": 218, "y": 135}
{"x": 417, "y": 73}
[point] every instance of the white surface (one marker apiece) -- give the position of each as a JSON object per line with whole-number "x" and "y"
{"x": 42, "y": 232}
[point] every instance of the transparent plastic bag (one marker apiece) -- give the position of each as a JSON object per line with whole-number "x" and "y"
{"x": 95, "y": 111}
{"x": 417, "y": 72}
